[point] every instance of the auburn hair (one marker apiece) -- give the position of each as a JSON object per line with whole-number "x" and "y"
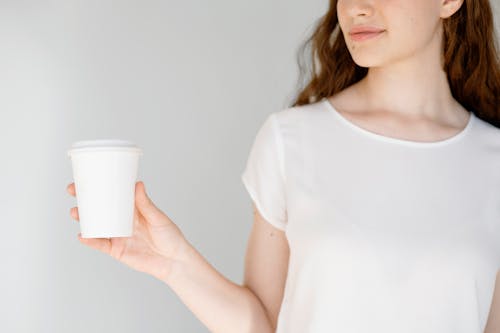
{"x": 470, "y": 52}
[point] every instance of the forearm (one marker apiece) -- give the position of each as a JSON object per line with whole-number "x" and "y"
{"x": 221, "y": 305}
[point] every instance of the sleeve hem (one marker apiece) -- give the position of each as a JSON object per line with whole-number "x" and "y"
{"x": 276, "y": 223}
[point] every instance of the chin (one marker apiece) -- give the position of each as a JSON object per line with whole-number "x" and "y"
{"x": 368, "y": 54}
{"x": 368, "y": 61}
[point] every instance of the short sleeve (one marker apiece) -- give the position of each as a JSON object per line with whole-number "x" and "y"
{"x": 263, "y": 176}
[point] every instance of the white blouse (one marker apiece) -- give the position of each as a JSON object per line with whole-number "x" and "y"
{"x": 386, "y": 235}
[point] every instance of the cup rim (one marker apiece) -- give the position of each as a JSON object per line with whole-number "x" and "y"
{"x": 105, "y": 149}
{"x": 104, "y": 145}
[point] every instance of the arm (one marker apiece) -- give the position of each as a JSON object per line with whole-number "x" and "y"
{"x": 266, "y": 265}
{"x": 220, "y": 304}
{"x": 493, "y": 323}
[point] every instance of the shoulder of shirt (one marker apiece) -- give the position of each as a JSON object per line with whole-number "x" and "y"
{"x": 299, "y": 113}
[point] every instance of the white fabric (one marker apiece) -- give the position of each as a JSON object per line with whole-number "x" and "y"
{"x": 386, "y": 235}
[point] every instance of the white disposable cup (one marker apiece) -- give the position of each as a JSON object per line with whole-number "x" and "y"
{"x": 105, "y": 174}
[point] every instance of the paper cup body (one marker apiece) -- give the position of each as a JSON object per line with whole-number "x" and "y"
{"x": 105, "y": 173}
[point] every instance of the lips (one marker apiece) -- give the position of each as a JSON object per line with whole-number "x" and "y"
{"x": 365, "y": 29}
{"x": 365, "y": 35}
{"x": 364, "y": 32}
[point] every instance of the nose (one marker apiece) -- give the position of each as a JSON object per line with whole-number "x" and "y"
{"x": 355, "y": 8}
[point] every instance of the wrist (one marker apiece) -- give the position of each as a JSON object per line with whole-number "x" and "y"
{"x": 172, "y": 264}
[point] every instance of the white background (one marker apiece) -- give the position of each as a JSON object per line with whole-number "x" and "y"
{"x": 190, "y": 82}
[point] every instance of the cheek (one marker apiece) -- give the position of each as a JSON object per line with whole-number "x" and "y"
{"x": 412, "y": 18}
{"x": 411, "y": 23}
{"x": 342, "y": 14}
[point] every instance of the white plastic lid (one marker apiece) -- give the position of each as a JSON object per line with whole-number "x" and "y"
{"x": 104, "y": 145}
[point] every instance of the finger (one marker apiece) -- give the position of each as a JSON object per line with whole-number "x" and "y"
{"x": 71, "y": 189}
{"x": 100, "y": 244}
{"x": 74, "y": 213}
{"x": 137, "y": 216}
{"x": 146, "y": 207}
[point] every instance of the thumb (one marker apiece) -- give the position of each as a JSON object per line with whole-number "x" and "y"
{"x": 146, "y": 207}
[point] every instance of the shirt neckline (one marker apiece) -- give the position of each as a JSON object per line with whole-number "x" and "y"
{"x": 384, "y": 138}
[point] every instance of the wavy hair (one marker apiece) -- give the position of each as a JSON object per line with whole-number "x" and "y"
{"x": 470, "y": 50}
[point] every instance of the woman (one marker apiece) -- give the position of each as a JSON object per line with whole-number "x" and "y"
{"x": 376, "y": 194}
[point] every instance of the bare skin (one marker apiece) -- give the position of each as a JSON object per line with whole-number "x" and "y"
{"x": 155, "y": 239}
{"x": 405, "y": 93}
{"x": 396, "y": 124}
{"x": 158, "y": 247}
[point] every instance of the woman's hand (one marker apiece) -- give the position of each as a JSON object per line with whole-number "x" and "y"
{"x": 154, "y": 244}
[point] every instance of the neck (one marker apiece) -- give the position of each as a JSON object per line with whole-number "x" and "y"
{"x": 416, "y": 86}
